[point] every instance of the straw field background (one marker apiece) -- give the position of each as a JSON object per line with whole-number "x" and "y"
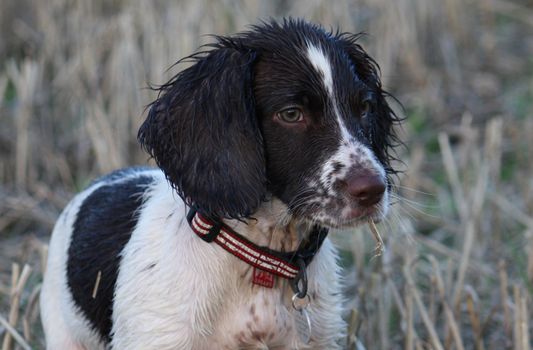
{"x": 458, "y": 269}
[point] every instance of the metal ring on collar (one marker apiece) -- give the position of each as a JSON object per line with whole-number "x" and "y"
{"x": 302, "y": 304}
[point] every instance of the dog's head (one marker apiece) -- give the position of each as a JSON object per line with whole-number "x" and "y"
{"x": 286, "y": 110}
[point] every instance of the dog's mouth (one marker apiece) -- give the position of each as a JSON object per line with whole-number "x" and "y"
{"x": 341, "y": 214}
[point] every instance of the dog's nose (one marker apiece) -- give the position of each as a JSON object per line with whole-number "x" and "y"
{"x": 367, "y": 190}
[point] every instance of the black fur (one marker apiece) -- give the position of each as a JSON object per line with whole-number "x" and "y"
{"x": 102, "y": 228}
{"x": 204, "y": 134}
{"x": 212, "y": 130}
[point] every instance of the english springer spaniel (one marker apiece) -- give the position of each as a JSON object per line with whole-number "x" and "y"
{"x": 268, "y": 139}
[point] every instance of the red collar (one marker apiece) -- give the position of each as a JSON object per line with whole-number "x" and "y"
{"x": 244, "y": 249}
{"x": 289, "y": 265}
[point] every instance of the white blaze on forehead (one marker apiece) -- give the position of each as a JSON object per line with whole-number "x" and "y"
{"x": 321, "y": 63}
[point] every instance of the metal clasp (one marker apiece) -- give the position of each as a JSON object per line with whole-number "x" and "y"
{"x": 300, "y": 289}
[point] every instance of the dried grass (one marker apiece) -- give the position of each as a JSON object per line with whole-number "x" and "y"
{"x": 458, "y": 268}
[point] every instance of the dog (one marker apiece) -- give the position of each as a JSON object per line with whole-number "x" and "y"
{"x": 268, "y": 139}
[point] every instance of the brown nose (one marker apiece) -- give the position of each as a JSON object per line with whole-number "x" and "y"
{"x": 366, "y": 190}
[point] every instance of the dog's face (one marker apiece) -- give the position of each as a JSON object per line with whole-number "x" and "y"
{"x": 319, "y": 107}
{"x": 287, "y": 110}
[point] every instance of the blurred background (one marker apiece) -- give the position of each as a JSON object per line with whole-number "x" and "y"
{"x": 458, "y": 267}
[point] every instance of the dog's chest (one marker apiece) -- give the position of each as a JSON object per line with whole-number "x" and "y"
{"x": 262, "y": 320}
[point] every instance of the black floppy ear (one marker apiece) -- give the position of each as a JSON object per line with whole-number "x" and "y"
{"x": 383, "y": 136}
{"x": 203, "y": 133}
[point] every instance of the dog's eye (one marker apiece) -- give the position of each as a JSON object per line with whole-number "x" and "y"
{"x": 291, "y": 115}
{"x": 366, "y": 109}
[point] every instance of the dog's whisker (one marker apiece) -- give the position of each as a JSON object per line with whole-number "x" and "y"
{"x": 409, "y": 189}
{"x": 411, "y": 202}
{"x": 418, "y": 209}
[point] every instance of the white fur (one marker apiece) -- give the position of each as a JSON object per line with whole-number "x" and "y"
{"x": 175, "y": 291}
{"x": 318, "y": 59}
{"x": 322, "y": 64}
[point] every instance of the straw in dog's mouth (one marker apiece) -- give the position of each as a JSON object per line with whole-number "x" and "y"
{"x": 380, "y": 246}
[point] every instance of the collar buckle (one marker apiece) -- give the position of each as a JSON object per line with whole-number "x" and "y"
{"x": 300, "y": 292}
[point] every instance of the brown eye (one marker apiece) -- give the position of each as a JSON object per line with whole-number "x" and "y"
{"x": 291, "y": 115}
{"x": 366, "y": 109}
